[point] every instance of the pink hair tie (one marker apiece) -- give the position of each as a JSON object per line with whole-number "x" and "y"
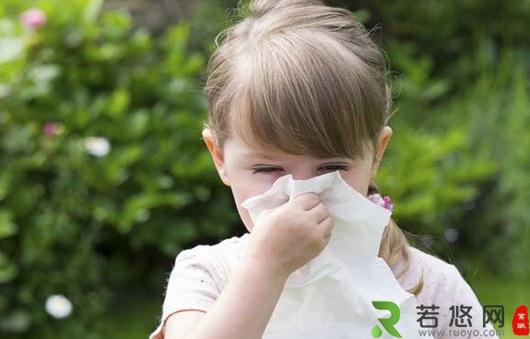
{"x": 385, "y": 202}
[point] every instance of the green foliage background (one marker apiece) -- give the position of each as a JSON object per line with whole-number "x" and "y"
{"x": 99, "y": 229}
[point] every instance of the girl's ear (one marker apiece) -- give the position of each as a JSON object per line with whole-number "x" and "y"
{"x": 216, "y": 154}
{"x": 384, "y": 138}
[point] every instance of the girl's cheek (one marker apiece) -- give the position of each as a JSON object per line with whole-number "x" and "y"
{"x": 258, "y": 184}
{"x": 262, "y": 180}
{"x": 268, "y": 181}
{"x": 271, "y": 178}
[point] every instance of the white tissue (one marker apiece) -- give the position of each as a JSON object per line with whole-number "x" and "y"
{"x": 331, "y": 296}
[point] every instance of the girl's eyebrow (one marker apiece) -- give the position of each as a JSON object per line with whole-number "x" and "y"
{"x": 263, "y": 156}
{"x": 256, "y": 155}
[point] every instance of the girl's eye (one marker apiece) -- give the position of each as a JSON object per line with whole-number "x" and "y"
{"x": 272, "y": 169}
{"x": 335, "y": 167}
{"x": 265, "y": 169}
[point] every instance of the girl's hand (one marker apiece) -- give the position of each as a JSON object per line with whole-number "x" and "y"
{"x": 286, "y": 238}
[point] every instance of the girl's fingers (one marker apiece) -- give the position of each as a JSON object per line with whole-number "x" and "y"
{"x": 319, "y": 213}
{"x": 307, "y": 200}
{"x": 326, "y": 226}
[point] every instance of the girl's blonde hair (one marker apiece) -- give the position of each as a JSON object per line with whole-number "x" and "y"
{"x": 304, "y": 78}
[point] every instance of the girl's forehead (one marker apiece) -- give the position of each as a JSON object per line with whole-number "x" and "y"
{"x": 278, "y": 155}
{"x": 255, "y": 150}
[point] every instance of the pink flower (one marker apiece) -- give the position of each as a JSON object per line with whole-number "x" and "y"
{"x": 33, "y": 18}
{"x": 385, "y": 202}
{"x": 51, "y": 129}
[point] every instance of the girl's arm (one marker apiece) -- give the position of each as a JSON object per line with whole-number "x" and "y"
{"x": 283, "y": 240}
{"x": 244, "y": 307}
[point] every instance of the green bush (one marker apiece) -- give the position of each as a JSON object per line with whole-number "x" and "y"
{"x": 499, "y": 110}
{"x": 459, "y": 163}
{"x": 102, "y": 162}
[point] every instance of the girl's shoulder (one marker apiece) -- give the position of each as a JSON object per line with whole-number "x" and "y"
{"x": 219, "y": 259}
{"x": 198, "y": 276}
{"x": 444, "y": 288}
{"x": 440, "y": 278}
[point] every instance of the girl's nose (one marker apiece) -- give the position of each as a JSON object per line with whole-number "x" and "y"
{"x": 303, "y": 174}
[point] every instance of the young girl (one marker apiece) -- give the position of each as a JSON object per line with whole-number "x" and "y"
{"x": 297, "y": 88}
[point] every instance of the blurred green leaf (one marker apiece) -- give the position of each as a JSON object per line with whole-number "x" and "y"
{"x": 8, "y": 270}
{"x": 92, "y": 10}
{"x": 7, "y": 226}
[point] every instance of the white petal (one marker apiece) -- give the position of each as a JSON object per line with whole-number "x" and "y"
{"x": 58, "y": 306}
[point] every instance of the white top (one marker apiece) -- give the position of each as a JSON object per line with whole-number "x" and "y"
{"x": 200, "y": 274}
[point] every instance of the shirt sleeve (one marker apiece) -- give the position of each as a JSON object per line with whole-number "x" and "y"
{"x": 456, "y": 323}
{"x": 192, "y": 285}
